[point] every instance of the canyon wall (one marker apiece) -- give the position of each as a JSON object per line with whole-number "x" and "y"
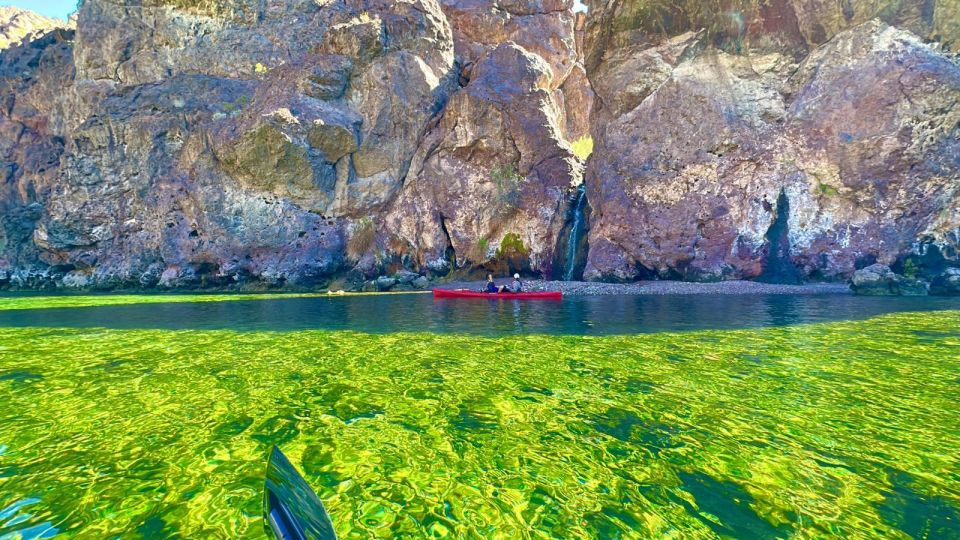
{"x": 284, "y": 142}
{"x": 781, "y": 140}
{"x": 293, "y": 143}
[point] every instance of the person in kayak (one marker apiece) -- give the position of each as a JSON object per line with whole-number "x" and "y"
{"x": 514, "y": 287}
{"x": 491, "y": 287}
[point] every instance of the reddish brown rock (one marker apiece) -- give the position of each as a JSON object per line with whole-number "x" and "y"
{"x": 544, "y": 28}
{"x": 494, "y": 166}
{"x": 699, "y": 150}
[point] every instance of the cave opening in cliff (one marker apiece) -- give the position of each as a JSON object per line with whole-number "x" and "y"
{"x": 778, "y": 266}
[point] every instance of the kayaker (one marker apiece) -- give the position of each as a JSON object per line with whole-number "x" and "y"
{"x": 491, "y": 286}
{"x": 514, "y": 287}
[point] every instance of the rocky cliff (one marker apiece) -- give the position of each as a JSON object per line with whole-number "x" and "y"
{"x": 778, "y": 140}
{"x": 283, "y": 143}
{"x": 288, "y": 143}
{"x": 17, "y": 24}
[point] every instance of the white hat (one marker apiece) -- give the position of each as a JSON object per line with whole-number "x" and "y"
{"x": 516, "y": 276}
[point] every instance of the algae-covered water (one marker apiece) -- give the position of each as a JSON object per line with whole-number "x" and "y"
{"x": 118, "y": 423}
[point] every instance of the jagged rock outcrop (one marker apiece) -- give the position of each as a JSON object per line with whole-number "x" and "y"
{"x": 495, "y": 165}
{"x": 16, "y": 24}
{"x": 288, "y": 142}
{"x": 703, "y": 134}
{"x": 188, "y": 148}
{"x": 283, "y": 143}
{"x": 491, "y": 181}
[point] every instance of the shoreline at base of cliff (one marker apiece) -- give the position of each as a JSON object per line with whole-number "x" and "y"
{"x": 657, "y": 288}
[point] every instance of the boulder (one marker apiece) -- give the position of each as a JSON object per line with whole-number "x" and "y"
{"x": 406, "y": 277}
{"x": 76, "y": 279}
{"x": 385, "y": 283}
{"x": 880, "y": 280}
{"x": 947, "y": 283}
{"x": 913, "y": 287}
{"x": 875, "y": 280}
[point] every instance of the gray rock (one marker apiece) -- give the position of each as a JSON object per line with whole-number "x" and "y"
{"x": 77, "y": 279}
{"x": 385, "y": 283}
{"x": 913, "y": 287}
{"x": 947, "y": 283}
{"x": 875, "y": 280}
{"x": 405, "y": 276}
{"x": 421, "y": 282}
{"x": 880, "y": 280}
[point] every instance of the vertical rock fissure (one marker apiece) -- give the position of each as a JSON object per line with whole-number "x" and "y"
{"x": 778, "y": 267}
{"x": 572, "y": 244}
{"x": 450, "y": 253}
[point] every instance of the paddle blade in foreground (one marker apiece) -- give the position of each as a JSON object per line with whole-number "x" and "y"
{"x": 291, "y": 510}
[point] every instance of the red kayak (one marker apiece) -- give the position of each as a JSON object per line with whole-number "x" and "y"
{"x": 440, "y": 293}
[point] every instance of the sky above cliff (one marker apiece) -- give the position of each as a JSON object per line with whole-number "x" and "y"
{"x": 60, "y": 9}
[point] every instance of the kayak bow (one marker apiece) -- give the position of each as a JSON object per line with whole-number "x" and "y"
{"x": 291, "y": 510}
{"x": 553, "y": 295}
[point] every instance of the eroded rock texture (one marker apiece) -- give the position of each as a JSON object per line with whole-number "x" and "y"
{"x": 496, "y": 164}
{"x": 282, "y": 142}
{"x": 168, "y": 143}
{"x": 791, "y": 140}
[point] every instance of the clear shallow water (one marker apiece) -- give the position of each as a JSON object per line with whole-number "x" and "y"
{"x": 124, "y": 425}
{"x": 575, "y": 315}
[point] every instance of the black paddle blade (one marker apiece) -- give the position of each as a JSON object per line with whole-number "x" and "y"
{"x": 291, "y": 510}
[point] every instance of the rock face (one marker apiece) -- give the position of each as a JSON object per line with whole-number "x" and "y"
{"x": 495, "y": 165}
{"x": 288, "y": 143}
{"x": 799, "y": 139}
{"x": 16, "y": 24}
{"x": 280, "y": 143}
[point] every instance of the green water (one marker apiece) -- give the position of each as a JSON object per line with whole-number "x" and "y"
{"x": 847, "y": 429}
